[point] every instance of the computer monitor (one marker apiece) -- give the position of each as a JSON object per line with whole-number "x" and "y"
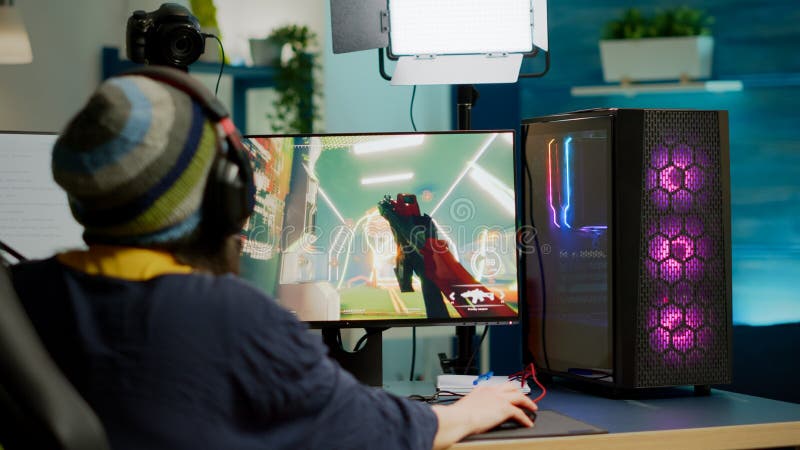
{"x": 392, "y": 229}
{"x": 380, "y": 230}
{"x": 35, "y": 219}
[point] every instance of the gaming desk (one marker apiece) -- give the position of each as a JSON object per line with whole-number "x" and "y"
{"x": 675, "y": 420}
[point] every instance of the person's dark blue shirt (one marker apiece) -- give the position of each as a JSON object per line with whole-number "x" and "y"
{"x": 187, "y": 361}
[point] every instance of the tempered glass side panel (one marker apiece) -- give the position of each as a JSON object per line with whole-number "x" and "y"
{"x": 569, "y": 162}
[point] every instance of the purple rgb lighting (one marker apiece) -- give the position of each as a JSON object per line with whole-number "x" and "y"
{"x": 705, "y": 338}
{"x": 671, "y": 226}
{"x": 682, "y": 248}
{"x": 694, "y": 178}
{"x": 659, "y": 248}
{"x": 694, "y": 226}
{"x": 652, "y": 318}
{"x": 673, "y": 359}
{"x": 694, "y": 317}
{"x": 671, "y": 270}
{"x": 660, "y": 157}
{"x": 683, "y": 339}
{"x": 659, "y": 339}
{"x": 671, "y": 178}
{"x": 682, "y": 201}
{"x": 679, "y": 250}
{"x": 661, "y": 199}
{"x": 671, "y": 317}
{"x": 702, "y": 158}
{"x": 704, "y": 247}
{"x": 683, "y": 293}
{"x": 682, "y": 156}
{"x": 652, "y": 268}
{"x": 651, "y": 182}
{"x": 694, "y": 269}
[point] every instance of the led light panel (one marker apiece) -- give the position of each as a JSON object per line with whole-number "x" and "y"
{"x": 450, "y": 27}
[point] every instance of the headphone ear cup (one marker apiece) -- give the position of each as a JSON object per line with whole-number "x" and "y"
{"x": 229, "y": 193}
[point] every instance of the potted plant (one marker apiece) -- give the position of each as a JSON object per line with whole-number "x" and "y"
{"x": 674, "y": 44}
{"x": 295, "y": 80}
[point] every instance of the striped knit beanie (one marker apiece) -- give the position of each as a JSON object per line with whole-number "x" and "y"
{"x": 134, "y": 163}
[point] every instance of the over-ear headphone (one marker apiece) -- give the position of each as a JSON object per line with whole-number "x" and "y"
{"x": 229, "y": 195}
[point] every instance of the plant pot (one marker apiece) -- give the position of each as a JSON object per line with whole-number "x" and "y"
{"x": 265, "y": 52}
{"x": 651, "y": 59}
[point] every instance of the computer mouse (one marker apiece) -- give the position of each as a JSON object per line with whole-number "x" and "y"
{"x": 511, "y": 424}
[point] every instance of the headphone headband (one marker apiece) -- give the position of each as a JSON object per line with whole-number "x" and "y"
{"x": 184, "y": 82}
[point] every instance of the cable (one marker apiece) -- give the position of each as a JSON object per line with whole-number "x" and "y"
{"x": 413, "y": 352}
{"x": 544, "y": 71}
{"x": 524, "y": 374}
{"x": 382, "y": 66}
{"x": 411, "y": 108}
{"x": 474, "y": 352}
{"x": 221, "y": 60}
{"x": 363, "y": 339}
{"x": 6, "y": 248}
{"x": 538, "y": 254}
{"x": 438, "y": 397}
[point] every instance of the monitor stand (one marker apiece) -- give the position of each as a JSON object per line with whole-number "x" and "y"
{"x": 367, "y": 363}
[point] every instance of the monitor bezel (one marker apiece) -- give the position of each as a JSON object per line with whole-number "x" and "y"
{"x": 517, "y": 167}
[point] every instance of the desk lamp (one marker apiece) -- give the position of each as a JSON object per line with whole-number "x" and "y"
{"x": 15, "y": 47}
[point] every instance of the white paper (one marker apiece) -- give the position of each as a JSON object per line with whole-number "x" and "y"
{"x": 35, "y": 219}
{"x": 462, "y": 384}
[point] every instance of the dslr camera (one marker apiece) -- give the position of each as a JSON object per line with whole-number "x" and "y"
{"x": 168, "y": 36}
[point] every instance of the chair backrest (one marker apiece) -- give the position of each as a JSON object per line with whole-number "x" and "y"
{"x": 39, "y": 408}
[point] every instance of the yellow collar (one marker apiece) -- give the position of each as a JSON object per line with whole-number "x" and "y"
{"x": 127, "y": 263}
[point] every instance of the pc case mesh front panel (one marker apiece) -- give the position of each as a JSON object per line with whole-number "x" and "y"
{"x": 682, "y": 331}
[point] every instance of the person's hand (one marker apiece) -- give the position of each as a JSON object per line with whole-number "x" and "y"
{"x": 482, "y": 409}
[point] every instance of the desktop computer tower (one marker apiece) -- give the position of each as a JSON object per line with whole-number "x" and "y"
{"x": 626, "y": 247}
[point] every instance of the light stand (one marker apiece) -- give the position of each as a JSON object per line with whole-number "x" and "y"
{"x": 464, "y": 363}
{"x": 355, "y": 27}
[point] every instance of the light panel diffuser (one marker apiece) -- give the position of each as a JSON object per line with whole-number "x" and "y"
{"x": 452, "y": 27}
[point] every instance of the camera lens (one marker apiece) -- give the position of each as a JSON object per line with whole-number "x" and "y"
{"x": 182, "y": 45}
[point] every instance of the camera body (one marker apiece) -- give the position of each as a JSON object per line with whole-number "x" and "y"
{"x": 168, "y": 36}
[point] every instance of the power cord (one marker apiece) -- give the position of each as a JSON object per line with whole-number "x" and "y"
{"x": 5, "y": 248}
{"x": 221, "y": 61}
{"x": 538, "y": 254}
{"x": 411, "y": 107}
{"x": 524, "y": 374}
{"x": 478, "y": 347}
{"x": 363, "y": 339}
{"x": 413, "y": 352}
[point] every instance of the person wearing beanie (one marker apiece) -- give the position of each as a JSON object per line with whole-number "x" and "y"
{"x": 156, "y": 332}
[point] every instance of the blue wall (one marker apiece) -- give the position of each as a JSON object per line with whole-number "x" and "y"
{"x": 756, "y": 42}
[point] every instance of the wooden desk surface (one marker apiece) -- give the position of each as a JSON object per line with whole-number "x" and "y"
{"x": 675, "y": 420}
{"x": 765, "y": 435}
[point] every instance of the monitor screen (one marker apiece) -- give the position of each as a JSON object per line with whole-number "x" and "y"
{"x": 379, "y": 229}
{"x": 35, "y": 219}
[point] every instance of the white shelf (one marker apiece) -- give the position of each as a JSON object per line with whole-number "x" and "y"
{"x": 631, "y": 90}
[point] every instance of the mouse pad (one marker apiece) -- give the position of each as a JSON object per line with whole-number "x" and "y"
{"x": 548, "y": 424}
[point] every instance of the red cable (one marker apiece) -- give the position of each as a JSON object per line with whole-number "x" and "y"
{"x": 529, "y": 372}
